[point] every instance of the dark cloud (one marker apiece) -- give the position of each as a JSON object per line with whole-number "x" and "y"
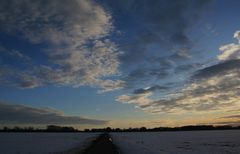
{"x": 20, "y": 114}
{"x": 218, "y": 69}
{"x": 150, "y": 89}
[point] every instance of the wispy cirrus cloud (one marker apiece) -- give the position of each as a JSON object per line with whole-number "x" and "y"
{"x": 21, "y": 114}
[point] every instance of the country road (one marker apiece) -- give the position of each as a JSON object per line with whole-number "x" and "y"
{"x": 102, "y": 145}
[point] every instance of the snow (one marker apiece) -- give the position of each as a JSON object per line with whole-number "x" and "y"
{"x": 188, "y": 142}
{"x": 43, "y": 143}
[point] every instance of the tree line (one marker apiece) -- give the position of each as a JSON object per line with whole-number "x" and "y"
{"x": 55, "y": 128}
{"x": 158, "y": 129}
{"x": 49, "y": 128}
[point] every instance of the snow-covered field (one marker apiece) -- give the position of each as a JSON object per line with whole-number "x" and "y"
{"x": 190, "y": 142}
{"x": 43, "y": 143}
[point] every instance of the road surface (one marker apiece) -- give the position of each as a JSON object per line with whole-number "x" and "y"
{"x": 102, "y": 145}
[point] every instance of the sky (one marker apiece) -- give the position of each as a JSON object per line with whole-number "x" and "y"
{"x": 121, "y": 63}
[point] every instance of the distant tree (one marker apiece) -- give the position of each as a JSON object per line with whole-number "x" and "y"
{"x": 108, "y": 129}
{"x": 143, "y": 129}
{"x": 118, "y": 130}
{"x": 6, "y": 129}
{"x": 17, "y": 129}
{"x": 53, "y": 128}
{"x": 68, "y": 129}
{"x": 28, "y": 129}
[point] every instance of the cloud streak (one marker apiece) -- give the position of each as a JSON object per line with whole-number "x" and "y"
{"x": 237, "y": 116}
{"x": 150, "y": 89}
{"x": 21, "y": 114}
{"x": 233, "y": 123}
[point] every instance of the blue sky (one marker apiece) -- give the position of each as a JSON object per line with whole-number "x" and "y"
{"x": 119, "y": 63}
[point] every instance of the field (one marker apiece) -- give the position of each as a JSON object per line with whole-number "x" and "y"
{"x": 189, "y": 142}
{"x": 184, "y": 142}
{"x": 43, "y": 143}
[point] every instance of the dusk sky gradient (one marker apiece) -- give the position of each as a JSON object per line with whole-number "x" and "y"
{"x": 121, "y": 63}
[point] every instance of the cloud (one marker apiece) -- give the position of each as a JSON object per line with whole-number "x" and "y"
{"x": 14, "y": 54}
{"x": 237, "y": 35}
{"x": 187, "y": 68}
{"x": 29, "y": 84}
{"x": 237, "y": 116}
{"x": 165, "y": 69}
{"x": 150, "y": 22}
{"x": 230, "y": 51}
{"x": 21, "y": 114}
{"x": 210, "y": 94}
{"x": 145, "y": 74}
{"x": 206, "y": 94}
{"x": 182, "y": 53}
{"x": 150, "y": 89}
{"x": 81, "y": 45}
{"x": 80, "y": 20}
{"x": 210, "y": 89}
{"x": 140, "y": 99}
{"x": 218, "y": 69}
{"x": 75, "y": 35}
{"x": 153, "y": 36}
{"x": 232, "y": 123}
